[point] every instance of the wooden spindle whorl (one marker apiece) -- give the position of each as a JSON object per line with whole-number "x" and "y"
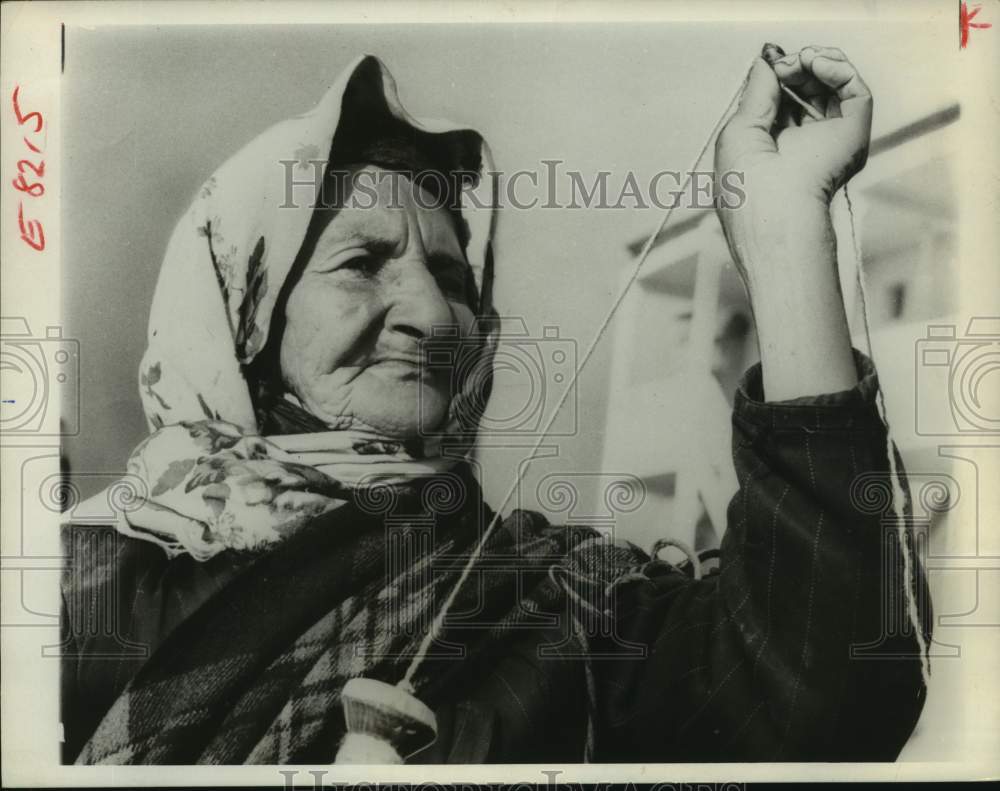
{"x": 385, "y": 723}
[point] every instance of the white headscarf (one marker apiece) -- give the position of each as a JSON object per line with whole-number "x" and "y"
{"x": 210, "y": 480}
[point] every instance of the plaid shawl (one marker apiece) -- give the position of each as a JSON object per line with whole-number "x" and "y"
{"x": 255, "y": 674}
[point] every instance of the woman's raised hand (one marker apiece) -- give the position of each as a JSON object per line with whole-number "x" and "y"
{"x": 781, "y": 236}
{"x": 777, "y": 143}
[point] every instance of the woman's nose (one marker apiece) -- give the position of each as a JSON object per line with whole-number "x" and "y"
{"x": 418, "y": 305}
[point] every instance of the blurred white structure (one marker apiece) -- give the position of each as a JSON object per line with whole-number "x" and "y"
{"x": 668, "y": 421}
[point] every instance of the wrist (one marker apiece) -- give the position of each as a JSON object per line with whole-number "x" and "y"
{"x": 784, "y": 244}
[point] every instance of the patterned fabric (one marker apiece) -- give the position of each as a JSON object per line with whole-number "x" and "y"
{"x": 209, "y": 482}
{"x": 248, "y": 679}
{"x": 211, "y": 488}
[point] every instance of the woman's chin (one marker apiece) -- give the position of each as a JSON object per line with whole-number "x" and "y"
{"x": 408, "y": 409}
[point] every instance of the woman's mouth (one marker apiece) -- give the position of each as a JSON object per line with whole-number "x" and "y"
{"x": 406, "y": 367}
{"x": 413, "y": 361}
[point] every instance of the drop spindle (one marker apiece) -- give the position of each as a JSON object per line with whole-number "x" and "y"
{"x": 386, "y": 724}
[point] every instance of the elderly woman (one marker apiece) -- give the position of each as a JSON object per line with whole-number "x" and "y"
{"x": 306, "y": 508}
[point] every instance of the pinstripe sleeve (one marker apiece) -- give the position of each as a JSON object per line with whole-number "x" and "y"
{"x": 784, "y": 655}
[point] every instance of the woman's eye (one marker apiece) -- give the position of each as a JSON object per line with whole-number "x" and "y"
{"x": 362, "y": 264}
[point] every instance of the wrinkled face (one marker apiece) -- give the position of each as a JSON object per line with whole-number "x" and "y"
{"x": 379, "y": 280}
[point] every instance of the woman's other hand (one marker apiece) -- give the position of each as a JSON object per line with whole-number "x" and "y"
{"x": 781, "y": 237}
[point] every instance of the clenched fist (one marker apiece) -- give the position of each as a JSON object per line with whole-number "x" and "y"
{"x": 777, "y": 144}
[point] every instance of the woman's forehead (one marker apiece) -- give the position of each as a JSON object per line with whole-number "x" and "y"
{"x": 388, "y": 206}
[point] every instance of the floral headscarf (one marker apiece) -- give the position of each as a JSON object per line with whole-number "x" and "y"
{"x": 211, "y": 481}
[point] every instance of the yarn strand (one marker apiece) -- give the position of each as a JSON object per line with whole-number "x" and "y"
{"x": 438, "y": 623}
{"x": 898, "y": 495}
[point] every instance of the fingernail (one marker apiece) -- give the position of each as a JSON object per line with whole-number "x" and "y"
{"x": 771, "y": 52}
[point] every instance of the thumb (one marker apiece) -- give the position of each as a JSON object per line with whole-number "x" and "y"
{"x": 761, "y": 97}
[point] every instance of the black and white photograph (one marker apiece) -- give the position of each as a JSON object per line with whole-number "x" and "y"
{"x": 518, "y": 390}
